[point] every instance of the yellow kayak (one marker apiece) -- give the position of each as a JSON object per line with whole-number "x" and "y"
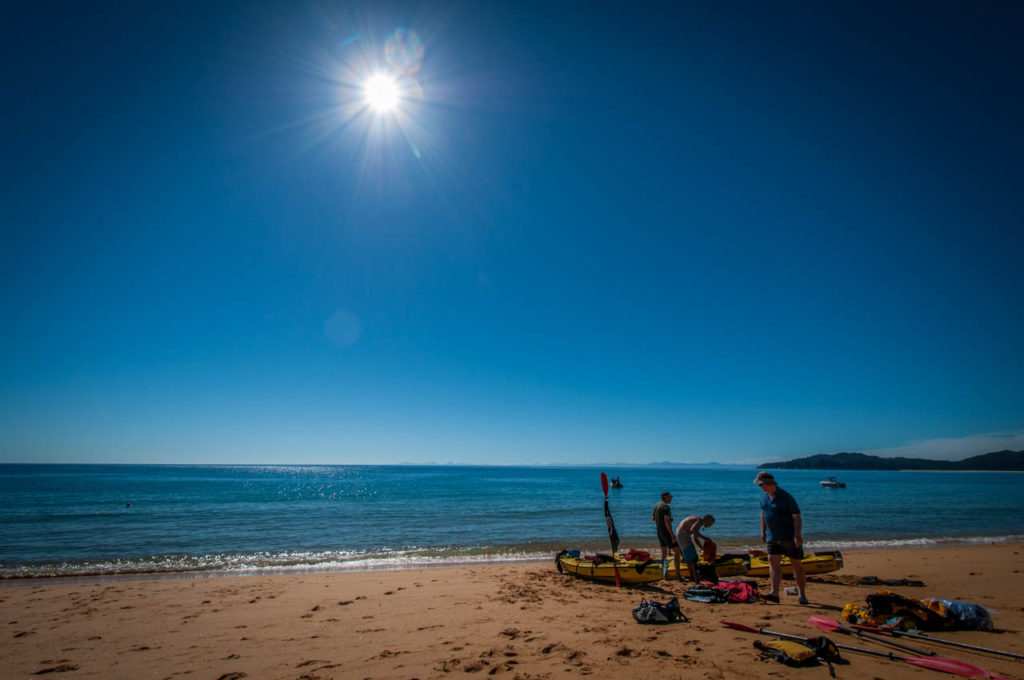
{"x": 629, "y": 571}
{"x": 814, "y": 563}
{"x": 730, "y": 565}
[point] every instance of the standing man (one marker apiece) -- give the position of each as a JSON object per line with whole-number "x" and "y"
{"x": 666, "y": 536}
{"x": 690, "y": 539}
{"x": 781, "y": 531}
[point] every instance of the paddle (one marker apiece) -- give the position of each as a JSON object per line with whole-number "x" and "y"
{"x": 936, "y": 663}
{"x": 929, "y": 638}
{"x": 613, "y": 535}
{"x": 831, "y": 625}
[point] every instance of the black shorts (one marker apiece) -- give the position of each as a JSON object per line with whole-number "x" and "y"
{"x": 666, "y": 540}
{"x": 787, "y": 548}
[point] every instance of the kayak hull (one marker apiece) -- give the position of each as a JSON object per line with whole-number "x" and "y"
{"x": 814, "y": 563}
{"x": 629, "y": 571}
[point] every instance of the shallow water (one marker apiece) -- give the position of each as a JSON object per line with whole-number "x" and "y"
{"x": 76, "y": 519}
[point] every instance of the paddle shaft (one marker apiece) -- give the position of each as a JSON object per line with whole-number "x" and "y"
{"x": 799, "y": 638}
{"x": 929, "y": 638}
{"x": 604, "y": 487}
{"x": 937, "y": 663}
{"x": 828, "y": 624}
{"x": 891, "y": 643}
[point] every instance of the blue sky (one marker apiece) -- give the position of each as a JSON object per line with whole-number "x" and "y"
{"x": 590, "y": 233}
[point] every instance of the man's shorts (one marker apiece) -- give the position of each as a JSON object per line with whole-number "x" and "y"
{"x": 689, "y": 554}
{"x": 666, "y": 540}
{"x": 787, "y": 548}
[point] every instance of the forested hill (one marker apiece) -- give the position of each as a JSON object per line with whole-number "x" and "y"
{"x": 997, "y": 460}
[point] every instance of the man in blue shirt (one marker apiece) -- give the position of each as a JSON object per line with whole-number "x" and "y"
{"x": 781, "y": 531}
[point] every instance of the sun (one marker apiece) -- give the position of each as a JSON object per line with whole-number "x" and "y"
{"x": 381, "y": 93}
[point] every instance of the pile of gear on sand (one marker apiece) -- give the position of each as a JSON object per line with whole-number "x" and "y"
{"x": 883, "y": 618}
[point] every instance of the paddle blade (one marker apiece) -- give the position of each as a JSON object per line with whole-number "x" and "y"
{"x": 740, "y": 626}
{"x": 825, "y": 623}
{"x": 604, "y": 483}
{"x": 954, "y": 666}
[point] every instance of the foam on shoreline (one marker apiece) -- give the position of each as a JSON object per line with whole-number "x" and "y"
{"x": 411, "y": 558}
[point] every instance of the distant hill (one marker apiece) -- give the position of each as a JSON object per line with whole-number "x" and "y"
{"x": 995, "y": 461}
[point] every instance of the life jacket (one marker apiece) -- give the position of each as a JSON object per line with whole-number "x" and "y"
{"x": 789, "y": 652}
{"x": 807, "y": 653}
{"x": 638, "y": 555}
{"x": 709, "y": 551}
{"x": 899, "y": 611}
{"x": 739, "y": 591}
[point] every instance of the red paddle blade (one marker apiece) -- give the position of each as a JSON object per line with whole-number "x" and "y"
{"x": 604, "y": 483}
{"x": 740, "y": 626}
{"x": 825, "y": 623}
{"x": 955, "y": 666}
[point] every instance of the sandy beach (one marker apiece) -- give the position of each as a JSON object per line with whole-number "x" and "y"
{"x": 521, "y": 621}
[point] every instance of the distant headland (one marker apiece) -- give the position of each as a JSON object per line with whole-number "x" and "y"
{"x": 1001, "y": 461}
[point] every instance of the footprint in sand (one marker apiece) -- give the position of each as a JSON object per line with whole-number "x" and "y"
{"x": 310, "y": 662}
{"x": 60, "y": 668}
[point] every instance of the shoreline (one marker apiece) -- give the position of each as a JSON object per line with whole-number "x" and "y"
{"x": 511, "y": 620}
{"x": 405, "y": 562}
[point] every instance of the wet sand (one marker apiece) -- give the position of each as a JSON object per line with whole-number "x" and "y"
{"x": 521, "y": 621}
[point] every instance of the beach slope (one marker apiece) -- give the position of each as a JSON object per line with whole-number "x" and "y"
{"x": 520, "y": 621}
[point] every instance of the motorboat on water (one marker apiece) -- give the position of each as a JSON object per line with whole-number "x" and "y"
{"x": 833, "y": 483}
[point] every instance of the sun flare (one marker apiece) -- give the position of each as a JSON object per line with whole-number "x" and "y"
{"x": 381, "y": 93}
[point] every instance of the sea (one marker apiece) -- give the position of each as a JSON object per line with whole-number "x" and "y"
{"x": 115, "y": 520}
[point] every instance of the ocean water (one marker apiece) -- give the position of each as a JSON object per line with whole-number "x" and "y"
{"x": 65, "y": 520}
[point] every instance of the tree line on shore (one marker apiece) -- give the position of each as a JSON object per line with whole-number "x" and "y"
{"x": 1001, "y": 461}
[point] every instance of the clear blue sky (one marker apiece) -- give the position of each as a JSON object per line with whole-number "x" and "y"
{"x": 591, "y": 233}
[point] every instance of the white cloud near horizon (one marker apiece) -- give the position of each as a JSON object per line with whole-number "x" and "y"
{"x": 956, "y": 448}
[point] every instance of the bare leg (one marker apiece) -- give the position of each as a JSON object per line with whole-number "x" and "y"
{"x": 800, "y": 576}
{"x": 692, "y": 566}
{"x": 775, "y": 572}
{"x": 679, "y": 559}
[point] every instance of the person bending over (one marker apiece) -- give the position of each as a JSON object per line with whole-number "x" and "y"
{"x": 690, "y": 540}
